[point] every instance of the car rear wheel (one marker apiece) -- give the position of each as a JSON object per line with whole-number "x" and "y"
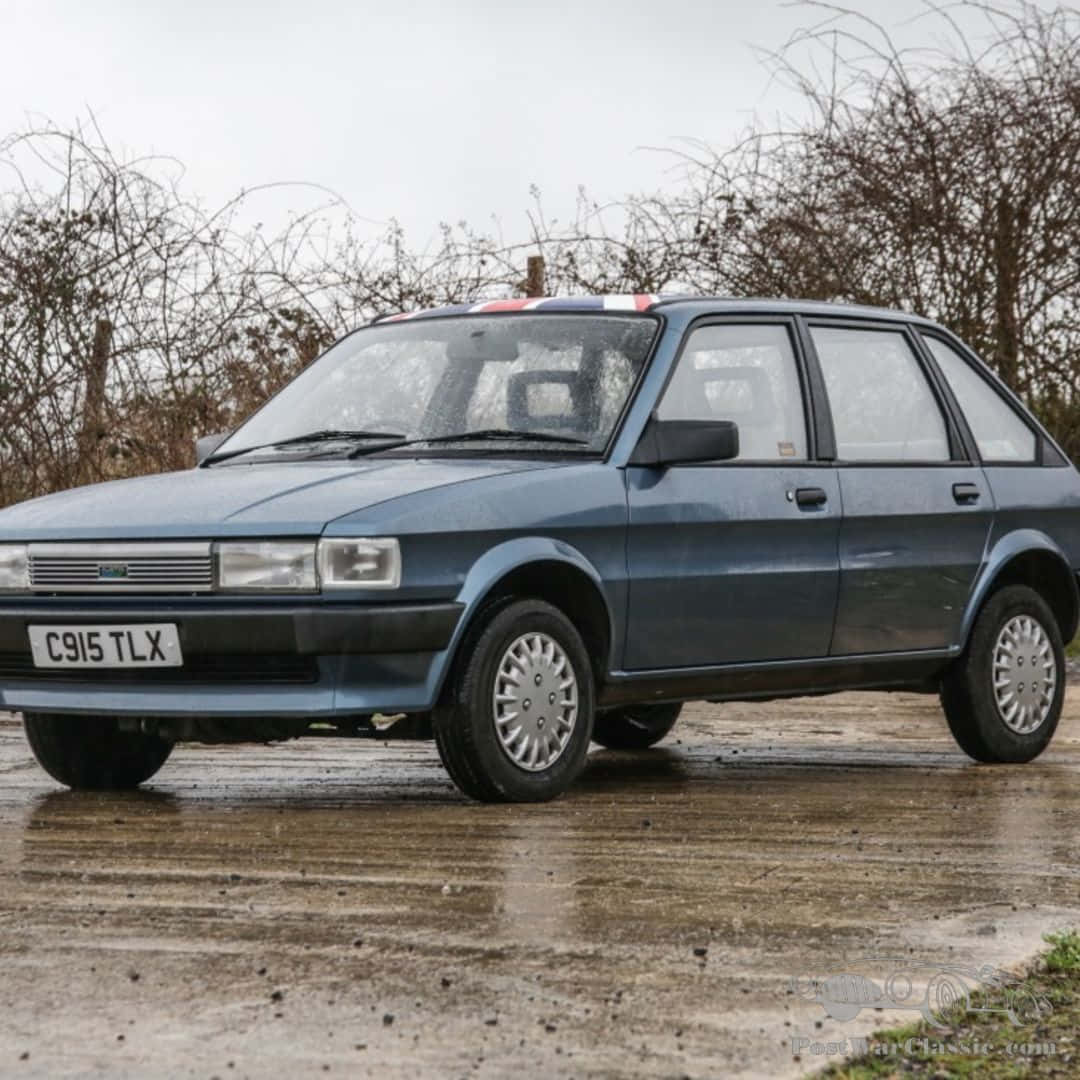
{"x": 634, "y": 727}
{"x": 518, "y": 715}
{"x": 1003, "y": 697}
{"x": 92, "y": 753}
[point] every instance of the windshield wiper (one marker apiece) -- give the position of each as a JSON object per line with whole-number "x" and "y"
{"x": 326, "y": 435}
{"x": 481, "y": 435}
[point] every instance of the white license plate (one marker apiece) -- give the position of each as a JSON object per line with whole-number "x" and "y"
{"x": 124, "y": 646}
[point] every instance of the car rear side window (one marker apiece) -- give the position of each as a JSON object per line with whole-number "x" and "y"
{"x": 748, "y": 374}
{"x": 1000, "y": 434}
{"x": 882, "y": 406}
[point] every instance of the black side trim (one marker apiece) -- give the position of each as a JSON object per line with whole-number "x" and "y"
{"x": 416, "y": 628}
{"x": 787, "y": 678}
{"x": 825, "y": 436}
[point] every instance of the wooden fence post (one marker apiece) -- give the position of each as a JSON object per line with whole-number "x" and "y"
{"x": 534, "y": 276}
{"x": 93, "y": 429}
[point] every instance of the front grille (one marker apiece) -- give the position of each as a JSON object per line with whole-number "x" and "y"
{"x": 118, "y": 568}
{"x": 221, "y": 668}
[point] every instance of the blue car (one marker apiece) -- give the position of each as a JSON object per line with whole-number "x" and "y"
{"x": 520, "y": 526}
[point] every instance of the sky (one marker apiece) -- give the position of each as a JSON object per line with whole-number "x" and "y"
{"x": 415, "y": 110}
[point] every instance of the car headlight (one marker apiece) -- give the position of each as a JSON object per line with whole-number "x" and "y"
{"x": 348, "y": 563}
{"x": 276, "y": 565}
{"x": 14, "y": 568}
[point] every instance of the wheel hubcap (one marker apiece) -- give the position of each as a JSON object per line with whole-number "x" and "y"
{"x": 535, "y": 702}
{"x": 1025, "y": 674}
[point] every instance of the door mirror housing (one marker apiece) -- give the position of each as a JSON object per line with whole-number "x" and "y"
{"x": 675, "y": 442}
{"x": 205, "y": 446}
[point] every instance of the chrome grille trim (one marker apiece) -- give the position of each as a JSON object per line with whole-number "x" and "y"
{"x": 180, "y": 567}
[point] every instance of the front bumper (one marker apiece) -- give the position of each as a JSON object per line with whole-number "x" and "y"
{"x": 241, "y": 659}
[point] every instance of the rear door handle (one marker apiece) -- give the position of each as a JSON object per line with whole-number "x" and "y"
{"x": 965, "y": 493}
{"x": 810, "y": 496}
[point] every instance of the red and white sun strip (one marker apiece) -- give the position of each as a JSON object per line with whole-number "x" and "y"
{"x": 630, "y": 301}
{"x": 613, "y": 302}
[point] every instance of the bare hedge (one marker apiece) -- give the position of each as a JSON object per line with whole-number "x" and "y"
{"x": 946, "y": 182}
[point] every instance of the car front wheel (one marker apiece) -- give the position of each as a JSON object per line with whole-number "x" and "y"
{"x": 1003, "y": 697}
{"x": 517, "y": 718}
{"x": 92, "y": 753}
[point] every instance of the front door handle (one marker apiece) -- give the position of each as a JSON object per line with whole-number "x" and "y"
{"x": 965, "y": 493}
{"x": 810, "y": 496}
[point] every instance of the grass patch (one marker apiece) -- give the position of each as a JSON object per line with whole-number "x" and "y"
{"x": 986, "y": 1037}
{"x": 1073, "y": 648}
{"x": 1064, "y": 954}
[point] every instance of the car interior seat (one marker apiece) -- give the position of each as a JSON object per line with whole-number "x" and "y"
{"x": 565, "y": 411}
{"x": 744, "y": 394}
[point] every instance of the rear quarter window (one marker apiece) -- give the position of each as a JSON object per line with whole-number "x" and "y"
{"x": 1000, "y": 433}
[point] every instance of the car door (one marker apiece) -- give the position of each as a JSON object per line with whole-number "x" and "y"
{"x": 917, "y": 509}
{"x": 735, "y": 560}
{"x": 1027, "y": 474}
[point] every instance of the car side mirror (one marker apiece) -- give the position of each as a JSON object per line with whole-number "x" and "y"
{"x": 205, "y": 446}
{"x": 673, "y": 442}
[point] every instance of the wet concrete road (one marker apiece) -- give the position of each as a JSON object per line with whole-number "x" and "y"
{"x": 330, "y": 907}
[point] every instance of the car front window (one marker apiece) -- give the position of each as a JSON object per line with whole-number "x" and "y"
{"x": 552, "y": 375}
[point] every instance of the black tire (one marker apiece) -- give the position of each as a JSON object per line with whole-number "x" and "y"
{"x": 465, "y": 727}
{"x": 967, "y": 692}
{"x": 91, "y": 753}
{"x": 634, "y": 727}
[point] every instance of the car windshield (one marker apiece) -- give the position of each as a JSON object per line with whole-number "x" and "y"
{"x": 565, "y": 378}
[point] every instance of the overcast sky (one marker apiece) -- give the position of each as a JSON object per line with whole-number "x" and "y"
{"x": 423, "y": 111}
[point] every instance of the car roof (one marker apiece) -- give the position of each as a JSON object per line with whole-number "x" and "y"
{"x": 649, "y": 302}
{"x": 774, "y": 305}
